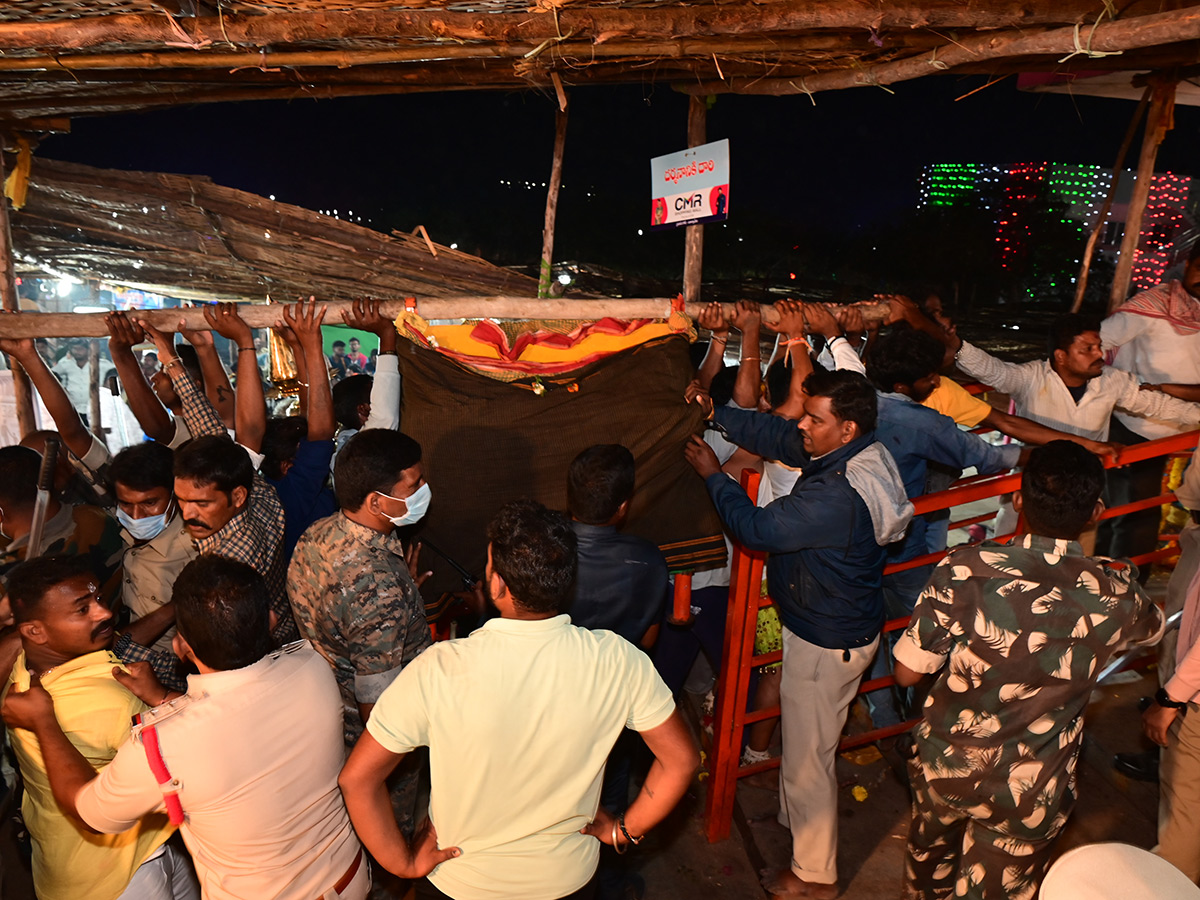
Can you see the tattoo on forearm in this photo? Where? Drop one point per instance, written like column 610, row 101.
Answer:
column 222, row 391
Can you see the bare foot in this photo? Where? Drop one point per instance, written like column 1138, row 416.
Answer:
column 785, row 883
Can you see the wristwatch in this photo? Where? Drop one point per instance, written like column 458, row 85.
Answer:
column 1163, row 699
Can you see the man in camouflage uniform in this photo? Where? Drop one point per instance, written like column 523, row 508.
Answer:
column 350, row 587
column 1019, row 635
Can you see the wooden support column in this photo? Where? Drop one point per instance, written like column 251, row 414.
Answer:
column 1088, row 251
column 22, row 389
column 545, row 274
column 1158, row 122
column 94, row 423
column 693, row 252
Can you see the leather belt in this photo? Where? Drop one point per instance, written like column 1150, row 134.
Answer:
column 344, row 881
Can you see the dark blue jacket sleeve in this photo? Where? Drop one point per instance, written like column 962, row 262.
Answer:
column 773, row 437
column 811, row 520
column 946, row 443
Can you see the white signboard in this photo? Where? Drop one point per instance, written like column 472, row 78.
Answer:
column 690, row 187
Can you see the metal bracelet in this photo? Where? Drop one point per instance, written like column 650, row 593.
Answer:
column 629, row 837
column 616, row 846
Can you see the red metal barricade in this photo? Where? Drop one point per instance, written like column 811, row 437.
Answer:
column 730, row 716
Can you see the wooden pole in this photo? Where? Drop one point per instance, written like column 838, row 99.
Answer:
column 22, row 389
column 446, row 26
column 264, row 315
column 1123, row 34
column 94, row 421
column 693, row 248
column 1158, row 122
column 545, row 273
column 1094, row 237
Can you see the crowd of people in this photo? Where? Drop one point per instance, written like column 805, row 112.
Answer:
column 221, row 681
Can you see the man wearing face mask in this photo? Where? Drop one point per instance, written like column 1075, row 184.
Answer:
column 350, row 585
column 158, row 544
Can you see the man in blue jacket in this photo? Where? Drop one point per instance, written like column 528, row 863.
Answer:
column 826, row 540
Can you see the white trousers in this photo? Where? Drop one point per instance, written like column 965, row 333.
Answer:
column 817, row 689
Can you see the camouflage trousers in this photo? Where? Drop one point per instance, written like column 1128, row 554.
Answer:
column 963, row 849
column 404, row 785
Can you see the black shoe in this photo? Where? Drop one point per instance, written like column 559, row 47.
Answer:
column 1139, row 766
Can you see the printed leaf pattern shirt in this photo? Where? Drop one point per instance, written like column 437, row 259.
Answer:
column 1020, row 634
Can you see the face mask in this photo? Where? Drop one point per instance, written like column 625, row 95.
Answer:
column 146, row 528
column 417, row 503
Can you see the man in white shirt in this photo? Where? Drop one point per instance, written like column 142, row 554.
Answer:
column 252, row 751
column 519, row 718
column 1155, row 335
column 76, row 376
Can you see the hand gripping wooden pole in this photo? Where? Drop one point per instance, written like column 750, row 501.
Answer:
column 265, row 315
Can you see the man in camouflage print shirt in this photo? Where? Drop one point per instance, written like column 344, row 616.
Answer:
column 350, row 587
column 1018, row 635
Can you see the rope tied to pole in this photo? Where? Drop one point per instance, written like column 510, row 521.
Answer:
column 935, row 62
column 803, row 88
column 1081, row 50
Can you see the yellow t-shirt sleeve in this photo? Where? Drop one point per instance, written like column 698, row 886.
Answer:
column 951, row 399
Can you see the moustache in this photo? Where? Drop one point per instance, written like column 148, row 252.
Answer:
column 102, row 626
column 195, row 523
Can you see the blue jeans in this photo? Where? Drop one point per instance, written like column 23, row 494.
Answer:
column 900, row 593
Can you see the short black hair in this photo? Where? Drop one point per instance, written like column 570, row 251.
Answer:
column 599, row 480
column 535, row 551
column 354, row 339
column 215, row 459
column 903, row 356
column 1059, row 489
column 851, row 396
column 223, row 611
column 281, row 443
column 143, row 467
column 348, row 395
column 372, row 460
column 337, row 344
column 720, row 389
column 186, row 354
column 1066, row 328
column 778, row 381
column 29, row 581
column 1193, row 252
column 19, row 468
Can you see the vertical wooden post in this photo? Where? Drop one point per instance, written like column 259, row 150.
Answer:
column 1086, row 264
column 560, row 140
column 693, row 251
column 22, row 389
column 1158, row 122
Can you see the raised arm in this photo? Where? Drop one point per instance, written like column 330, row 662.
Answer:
column 385, row 389
column 1011, row 378
column 145, row 406
column 250, row 409
column 819, row 320
column 216, row 379
column 198, row 413
column 305, row 323
column 791, row 326
column 747, row 387
column 712, row 317
column 74, row 435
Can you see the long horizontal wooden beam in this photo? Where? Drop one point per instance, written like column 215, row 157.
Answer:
column 1109, row 37
column 599, row 24
column 263, row 315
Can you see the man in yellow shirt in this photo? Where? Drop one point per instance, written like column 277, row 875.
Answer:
column 66, row 631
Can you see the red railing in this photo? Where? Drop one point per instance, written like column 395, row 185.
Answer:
column 730, row 716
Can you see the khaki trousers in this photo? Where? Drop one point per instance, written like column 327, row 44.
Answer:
column 818, row 685
column 1179, row 795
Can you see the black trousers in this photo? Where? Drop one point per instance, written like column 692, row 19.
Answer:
column 1137, row 532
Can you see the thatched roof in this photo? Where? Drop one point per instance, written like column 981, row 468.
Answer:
column 79, row 57
column 188, row 237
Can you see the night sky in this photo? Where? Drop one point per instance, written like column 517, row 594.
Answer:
column 849, row 162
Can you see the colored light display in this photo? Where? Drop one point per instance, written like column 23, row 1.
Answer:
column 1011, row 190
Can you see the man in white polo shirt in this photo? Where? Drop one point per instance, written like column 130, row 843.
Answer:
column 519, row 718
